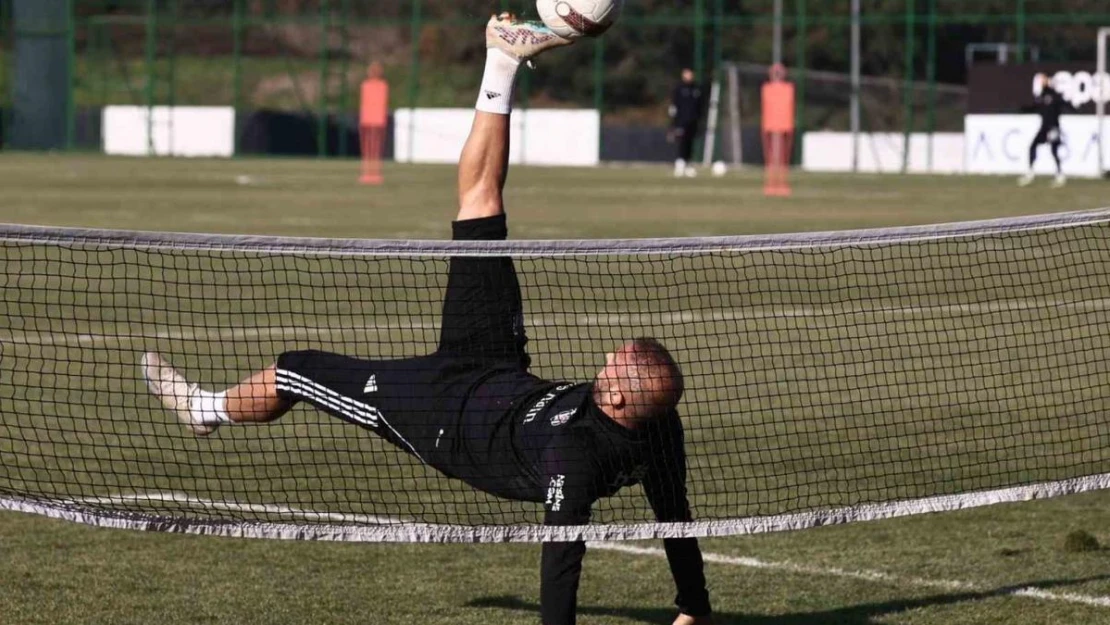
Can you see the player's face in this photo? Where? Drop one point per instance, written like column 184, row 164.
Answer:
column 603, row 382
column 606, row 377
column 613, row 372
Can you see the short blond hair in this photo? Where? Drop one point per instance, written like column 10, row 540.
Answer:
column 655, row 378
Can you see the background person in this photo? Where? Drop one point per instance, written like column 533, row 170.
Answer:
column 1050, row 105
column 687, row 103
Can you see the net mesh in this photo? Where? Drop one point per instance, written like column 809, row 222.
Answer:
column 830, row 377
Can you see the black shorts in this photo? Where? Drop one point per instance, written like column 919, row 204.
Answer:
column 1048, row 134
column 414, row 402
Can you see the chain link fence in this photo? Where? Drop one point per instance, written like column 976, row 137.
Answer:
column 307, row 57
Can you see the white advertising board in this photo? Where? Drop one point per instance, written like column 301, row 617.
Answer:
column 538, row 136
column 881, row 152
column 999, row 144
column 196, row 131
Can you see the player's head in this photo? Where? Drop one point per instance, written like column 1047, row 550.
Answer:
column 777, row 72
column 687, row 75
column 1040, row 81
column 640, row 381
column 375, row 70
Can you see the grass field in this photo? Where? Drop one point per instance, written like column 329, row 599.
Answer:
column 996, row 565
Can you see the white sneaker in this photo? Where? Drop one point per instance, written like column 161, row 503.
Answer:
column 521, row 40
column 171, row 388
column 1026, row 180
column 1059, row 181
column 691, row 172
column 679, row 168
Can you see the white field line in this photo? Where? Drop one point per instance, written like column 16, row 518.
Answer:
column 865, row 575
column 554, row 321
column 1030, row 592
column 1037, row 593
column 231, row 506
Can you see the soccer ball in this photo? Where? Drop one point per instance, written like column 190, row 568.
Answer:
column 572, row 19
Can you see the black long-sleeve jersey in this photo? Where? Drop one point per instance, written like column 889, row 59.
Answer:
column 474, row 412
column 509, row 433
column 1050, row 105
column 687, row 103
column 561, row 449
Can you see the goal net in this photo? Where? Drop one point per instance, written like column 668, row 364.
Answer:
column 830, row 377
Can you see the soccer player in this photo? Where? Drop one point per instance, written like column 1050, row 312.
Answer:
column 685, row 112
column 1049, row 104
column 472, row 410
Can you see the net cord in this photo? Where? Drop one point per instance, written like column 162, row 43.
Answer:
column 83, row 237
column 385, row 529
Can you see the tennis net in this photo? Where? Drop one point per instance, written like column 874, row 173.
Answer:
column 831, row 377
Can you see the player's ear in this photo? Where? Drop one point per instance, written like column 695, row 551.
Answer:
column 616, row 398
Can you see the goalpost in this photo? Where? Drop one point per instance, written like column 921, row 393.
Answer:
column 713, row 152
column 830, row 377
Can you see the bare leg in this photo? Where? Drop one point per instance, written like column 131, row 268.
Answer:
column 483, row 167
column 484, row 163
column 256, row 400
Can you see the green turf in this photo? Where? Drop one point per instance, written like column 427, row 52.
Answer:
column 66, row 573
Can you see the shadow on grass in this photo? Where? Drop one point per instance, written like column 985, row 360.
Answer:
column 861, row 614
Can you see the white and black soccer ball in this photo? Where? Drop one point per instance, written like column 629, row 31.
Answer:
column 572, row 19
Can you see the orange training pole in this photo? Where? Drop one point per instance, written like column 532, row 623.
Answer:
column 778, row 132
column 373, row 119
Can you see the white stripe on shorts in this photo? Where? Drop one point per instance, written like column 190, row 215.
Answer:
column 354, row 410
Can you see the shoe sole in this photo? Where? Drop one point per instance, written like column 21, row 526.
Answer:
column 151, row 365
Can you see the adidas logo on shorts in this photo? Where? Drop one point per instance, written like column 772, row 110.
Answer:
column 371, row 385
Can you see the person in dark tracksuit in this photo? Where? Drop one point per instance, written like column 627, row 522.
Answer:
column 1050, row 105
column 472, row 410
column 687, row 104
